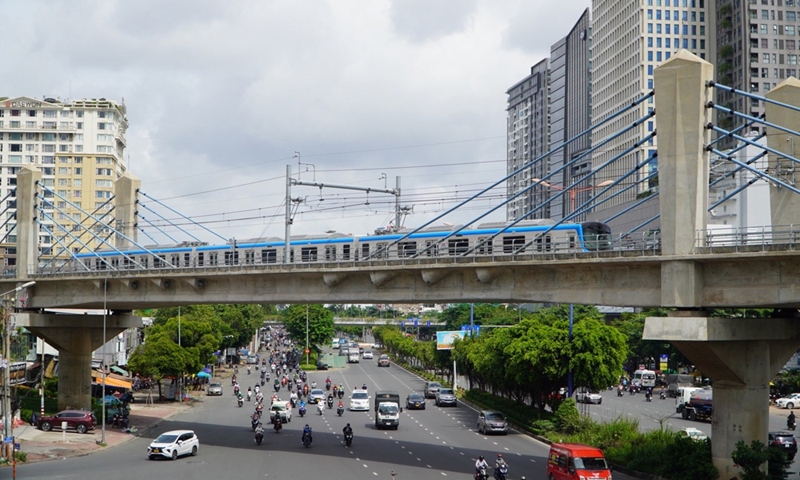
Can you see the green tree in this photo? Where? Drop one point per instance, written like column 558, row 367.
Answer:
column 161, row 357
column 320, row 323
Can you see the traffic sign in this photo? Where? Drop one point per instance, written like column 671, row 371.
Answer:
column 8, row 440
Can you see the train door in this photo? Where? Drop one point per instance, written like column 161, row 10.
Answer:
column 485, row 248
column 345, row 252
column 269, row 255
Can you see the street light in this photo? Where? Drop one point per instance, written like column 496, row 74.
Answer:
column 7, row 428
column 572, row 191
column 307, row 351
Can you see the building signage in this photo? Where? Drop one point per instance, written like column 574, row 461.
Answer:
column 23, row 104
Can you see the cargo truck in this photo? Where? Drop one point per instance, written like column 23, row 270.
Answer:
column 699, row 406
column 387, row 409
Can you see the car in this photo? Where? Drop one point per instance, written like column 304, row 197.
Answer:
column 587, row 396
column 174, row 444
column 786, row 441
column 316, row 395
column 360, row 349
column 446, row 396
column 490, row 421
column 694, row 433
column 383, row 360
column 359, row 401
column 252, row 359
column 789, row 401
column 415, row 401
column 344, row 351
column 431, row 388
column 367, row 355
column 215, row 389
column 79, row 420
column 322, row 365
column 281, row 409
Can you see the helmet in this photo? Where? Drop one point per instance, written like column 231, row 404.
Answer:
column 348, row 424
column 499, row 455
column 306, row 426
column 480, row 458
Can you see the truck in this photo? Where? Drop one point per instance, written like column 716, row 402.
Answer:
column 387, row 409
column 675, row 381
column 699, row 406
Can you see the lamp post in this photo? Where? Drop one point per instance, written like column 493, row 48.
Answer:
column 307, row 351
column 572, row 191
column 7, row 428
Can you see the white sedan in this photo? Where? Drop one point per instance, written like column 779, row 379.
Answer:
column 367, row 355
column 588, row 397
column 174, row 444
column 359, row 401
column 789, row 401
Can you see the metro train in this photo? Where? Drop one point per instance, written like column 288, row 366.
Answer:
column 339, row 247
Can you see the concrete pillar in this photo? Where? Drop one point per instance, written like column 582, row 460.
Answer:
column 740, row 356
column 27, row 230
column 75, row 337
column 681, row 96
column 126, row 196
column 784, row 204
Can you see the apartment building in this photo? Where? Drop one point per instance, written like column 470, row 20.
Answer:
column 630, row 38
column 79, row 145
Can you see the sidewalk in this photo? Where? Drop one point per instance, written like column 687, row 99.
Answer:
column 42, row 446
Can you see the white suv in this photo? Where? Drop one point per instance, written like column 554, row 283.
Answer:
column 367, row 355
column 359, row 401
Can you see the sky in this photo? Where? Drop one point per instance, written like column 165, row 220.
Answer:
column 222, row 95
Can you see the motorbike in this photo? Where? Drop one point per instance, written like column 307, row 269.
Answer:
column 239, row 401
column 306, row 440
column 259, row 438
column 249, row 394
column 254, row 423
column 262, row 382
column 327, row 385
column 302, row 411
column 341, row 393
column 662, row 396
column 619, row 393
column 482, row 474
column 320, row 408
column 339, row 411
column 348, row 439
column 501, row 472
column 791, row 424
column 277, row 387
column 248, row 370
column 294, row 402
column 278, row 425
column 330, row 403
column 236, row 390
column 648, row 397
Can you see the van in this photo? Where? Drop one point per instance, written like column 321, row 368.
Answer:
column 573, row 461
column 644, row 379
column 353, row 356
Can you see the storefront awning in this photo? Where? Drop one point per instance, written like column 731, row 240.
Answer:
column 121, row 371
column 97, row 377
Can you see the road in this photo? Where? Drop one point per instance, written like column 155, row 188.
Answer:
column 434, row 443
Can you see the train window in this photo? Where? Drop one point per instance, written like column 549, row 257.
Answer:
column 457, row 246
column 212, row 259
column 572, row 242
column 406, row 249
column 364, row 251
column 249, row 257
column 486, row 248
column 512, row 243
column 159, row 262
column 99, row 264
column 381, row 250
column 345, row 252
column 330, row 253
column 144, row 261
column 269, row 255
column 187, row 259
column 126, row 262
column 175, row 259
column 308, row 254
column 115, row 263
column 432, row 251
column 200, row 258
column 232, row 258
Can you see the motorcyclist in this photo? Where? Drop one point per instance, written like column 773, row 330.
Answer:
column 236, row 389
column 320, row 408
column 248, row 369
column 498, row 463
column 293, row 398
column 341, row 391
column 313, row 384
column 307, row 431
column 249, row 393
column 330, row 401
column 479, row 464
column 364, row 387
column 790, row 420
column 347, row 430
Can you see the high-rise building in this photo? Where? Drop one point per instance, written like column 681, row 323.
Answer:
column 757, row 49
column 545, row 109
column 79, row 145
column 527, row 136
column 630, row 38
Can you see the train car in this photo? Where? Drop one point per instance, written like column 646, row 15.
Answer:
column 526, row 237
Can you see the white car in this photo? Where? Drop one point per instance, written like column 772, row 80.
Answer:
column 359, row 401
column 367, row 355
column 693, row 433
column 174, row 444
column 282, row 409
column 789, row 401
column 588, row 397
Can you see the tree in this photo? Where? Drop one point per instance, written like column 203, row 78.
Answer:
column 320, row 323
column 160, row 357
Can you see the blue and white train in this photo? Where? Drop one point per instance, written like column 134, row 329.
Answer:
column 338, row 247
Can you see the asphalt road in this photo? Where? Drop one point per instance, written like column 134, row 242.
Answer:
column 430, row 444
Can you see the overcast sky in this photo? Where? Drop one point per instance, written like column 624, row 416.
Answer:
column 220, row 94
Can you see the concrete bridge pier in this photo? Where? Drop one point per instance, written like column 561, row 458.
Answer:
column 740, row 356
column 75, row 337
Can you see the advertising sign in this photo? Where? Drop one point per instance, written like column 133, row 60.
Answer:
column 664, row 358
column 445, row 340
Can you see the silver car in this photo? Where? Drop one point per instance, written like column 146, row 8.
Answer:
column 316, row 396
column 492, row 422
column 446, row 396
column 215, row 389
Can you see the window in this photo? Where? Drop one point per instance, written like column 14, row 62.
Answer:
column 790, row 16
column 15, row 147
column 49, row 114
column 79, row 125
column 64, row 170
column 79, row 148
column 101, row 126
column 78, row 170
column 103, row 171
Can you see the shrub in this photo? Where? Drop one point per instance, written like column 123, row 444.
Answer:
column 543, row 426
column 568, row 419
column 750, row 458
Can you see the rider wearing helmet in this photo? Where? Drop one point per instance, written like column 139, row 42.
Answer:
column 306, row 431
column 500, row 461
column 480, row 463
